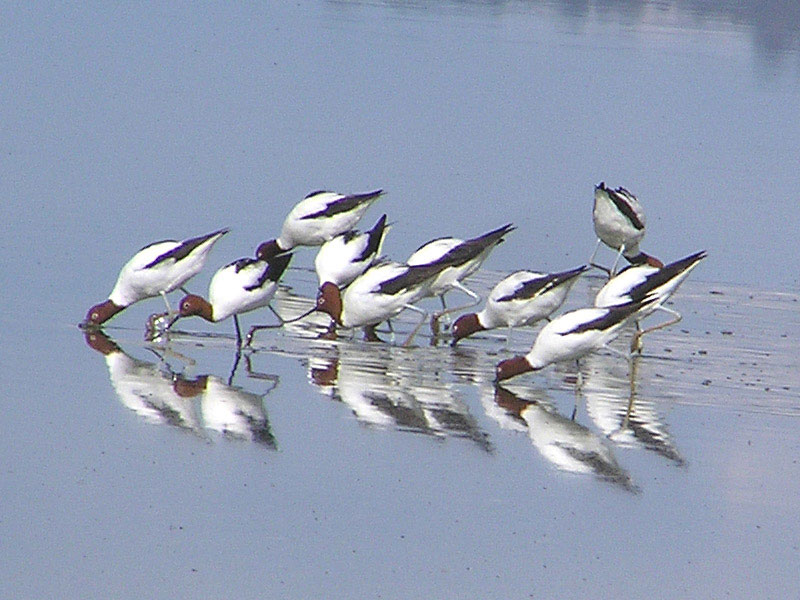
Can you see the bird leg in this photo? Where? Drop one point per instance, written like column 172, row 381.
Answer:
column 238, row 332
column 235, row 366
column 594, row 264
column 254, row 328
column 509, row 335
column 166, row 301
column 636, row 342
column 370, row 335
column 613, row 269
column 416, row 329
column 446, row 311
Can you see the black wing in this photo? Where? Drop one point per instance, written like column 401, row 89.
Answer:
column 273, row 271
column 183, row 249
column 413, row 276
column 663, row 275
column 374, row 237
column 344, row 204
column 534, row 287
column 470, row 249
column 611, row 318
column 622, row 204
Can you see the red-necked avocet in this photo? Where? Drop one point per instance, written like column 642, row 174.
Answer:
column 380, row 293
column 460, row 259
column 243, row 285
column 568, row 337
column 343, row 258
column 156, row 269
column 522, row 298
column 644, row 282
column 317, row 218
column 619, row 223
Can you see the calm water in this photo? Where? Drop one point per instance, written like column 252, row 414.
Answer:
column 308, row 468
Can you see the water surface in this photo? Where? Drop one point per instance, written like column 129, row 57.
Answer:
column 335, row 469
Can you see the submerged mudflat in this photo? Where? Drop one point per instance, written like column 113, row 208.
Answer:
column 363, row 462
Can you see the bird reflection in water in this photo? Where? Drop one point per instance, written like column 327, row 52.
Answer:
column 199, row 404
column 393, row 388
column 562, row 441
column 613, row 404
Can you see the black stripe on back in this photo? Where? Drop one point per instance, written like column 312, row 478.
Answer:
column 374, row 236
column 611, row 318
column 622, row 204
column 275, row 268
column 534, row 287
column 663, row 275
column 529, row 289
column 343, row 205
column 470, row 249
column 412, row 277
column 183, row 249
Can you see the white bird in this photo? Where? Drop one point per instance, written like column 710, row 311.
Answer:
column 382, row 292
column 316, row 219
column 243, row 285
column 644, row 282
column 619, row 223
column 569, row 337
column 156, row 269
column 343, row 258
column 460, row 258
column 522, row 298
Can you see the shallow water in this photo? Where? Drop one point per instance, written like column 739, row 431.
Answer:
column 308, row 468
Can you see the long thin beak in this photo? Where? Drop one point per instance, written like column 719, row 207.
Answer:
column 303, row 316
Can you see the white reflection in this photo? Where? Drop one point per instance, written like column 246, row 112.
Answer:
column 234, row 412
column 395, row 388
column 568, row 445
column 614, row 406
column 159, row 395
column 146, row 388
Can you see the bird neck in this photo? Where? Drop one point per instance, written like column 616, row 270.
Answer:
column 268, row 249
column 329, row 301
column 466, row 325
column 644, row 259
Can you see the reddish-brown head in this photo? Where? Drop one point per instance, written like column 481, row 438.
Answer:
column 97, row 340
column 329, row 300
column 326, row 376
column 195, row 305
column 100, row 313
column 465, row 326
column 267, row 250
column 509, row 401
column 654, row 262
column 511, row 368
column 189, row 388
column 645, row 259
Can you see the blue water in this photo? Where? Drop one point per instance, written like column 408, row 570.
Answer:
column 356, row 470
